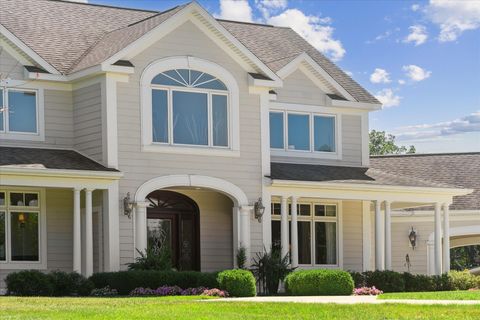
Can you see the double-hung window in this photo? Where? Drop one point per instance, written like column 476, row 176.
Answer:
column 303, row 132
column 19, row 114
column 317, row 225
column 190, row 108
column 20, row 227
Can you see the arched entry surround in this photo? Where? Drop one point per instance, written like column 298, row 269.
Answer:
column 241, row 210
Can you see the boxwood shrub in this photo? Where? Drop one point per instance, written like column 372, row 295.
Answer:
column 387, row 281
column 126, row 281
column 238, row 283
column 319, row 283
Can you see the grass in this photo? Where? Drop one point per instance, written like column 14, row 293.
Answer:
column 438, row 295
column 191, row 308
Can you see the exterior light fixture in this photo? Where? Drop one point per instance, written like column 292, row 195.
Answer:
column 412, row 237
column 21, row 220
column 259, row 209
column 128, row 206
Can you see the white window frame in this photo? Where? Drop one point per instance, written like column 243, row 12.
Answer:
column 233, row 113
column 312, row 219
column 285, row 152
column 39, row 135
column 41, row 264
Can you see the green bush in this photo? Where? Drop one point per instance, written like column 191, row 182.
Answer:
column 69, row 284
column 419, row 282
column 126, row 281
column 269, row 268
column 238, row 283
column 358, row 279
column 319, row 283
column 387, row 281
column 462, row 280
column 151, row 259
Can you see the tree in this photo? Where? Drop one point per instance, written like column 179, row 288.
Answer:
column 382, row 143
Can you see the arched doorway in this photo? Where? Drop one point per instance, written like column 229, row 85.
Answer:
column 173, row 221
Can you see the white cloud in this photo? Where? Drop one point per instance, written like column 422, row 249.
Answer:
column 416, row 73
column 418, row 35
column 388, row 98
column 313, row 29
column 238, row 10
column 469, row 123
column 349, row 73
column 401, row 82
column 415, row 7
column 380, row 76
column 453, row 17
column 269, row 7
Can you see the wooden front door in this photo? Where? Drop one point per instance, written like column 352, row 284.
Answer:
column 173, row 221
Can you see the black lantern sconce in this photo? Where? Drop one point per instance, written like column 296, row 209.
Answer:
column 412, row 237
column 259, row 209
column 128, row 206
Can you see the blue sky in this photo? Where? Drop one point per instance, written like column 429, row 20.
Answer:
column 421, row 58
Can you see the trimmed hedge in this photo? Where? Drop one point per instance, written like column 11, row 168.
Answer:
column 56, row 283
column 126, row 281
column 237, row 282
column 387, row 281
column 319, row 283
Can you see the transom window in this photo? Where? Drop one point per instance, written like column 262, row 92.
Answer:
column 18, row 111
column 19, row 226
column 317, row 232
column 306, row 132
column 189, row 107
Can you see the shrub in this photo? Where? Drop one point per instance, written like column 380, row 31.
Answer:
column 387, row 281
column 358, row 279
column 238, row 283
column 125, row 281
column 367, row 291
column 319, row 282
column 28, row 283
column 419, row 282
column 270, row 268
column 69, row 284
column 241, row 257
column 462, row 280
column 104, row 292
column 152, row 259
column 442, row 282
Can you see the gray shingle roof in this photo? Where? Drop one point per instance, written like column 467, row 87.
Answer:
column 459, row 169
column 74, row 36
column 342, row 174
column 48, row 159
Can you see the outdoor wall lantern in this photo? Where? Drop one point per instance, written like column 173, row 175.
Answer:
column 128, row 206
column 412, row 237
column 259, row 209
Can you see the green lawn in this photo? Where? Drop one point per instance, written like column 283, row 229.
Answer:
column 189, row 308
column 438, row 295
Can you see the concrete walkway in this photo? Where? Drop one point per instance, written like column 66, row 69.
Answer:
column 343, row 300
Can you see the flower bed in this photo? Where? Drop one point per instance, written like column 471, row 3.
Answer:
column 177, row 291
column 367, row 291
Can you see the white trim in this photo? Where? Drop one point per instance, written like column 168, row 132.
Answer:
column 187, row 62
column 109, row 121
column 95, row 70
column 21, row 57
column 365, row 140
column 366, row 236
column 229, row 189
column 314, row 108
column 353, row 104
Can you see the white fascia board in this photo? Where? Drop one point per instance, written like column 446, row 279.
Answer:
column 73, row 174
column 32, row 54
column 99, row 69
column 264, row 83
column 354, row 104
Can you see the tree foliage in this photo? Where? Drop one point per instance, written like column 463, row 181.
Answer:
column 382, row 143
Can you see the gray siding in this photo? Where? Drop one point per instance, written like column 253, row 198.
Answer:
column 87, row 114
column 298, row 88
column 10, row 66
column 352, row 235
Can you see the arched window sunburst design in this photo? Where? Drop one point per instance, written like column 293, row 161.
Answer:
column 189, row 78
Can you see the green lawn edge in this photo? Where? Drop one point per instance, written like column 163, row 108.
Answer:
column 435, row 295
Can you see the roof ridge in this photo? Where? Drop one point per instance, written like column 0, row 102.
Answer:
column 103, row 5
column 425, row 154
column 248, row 23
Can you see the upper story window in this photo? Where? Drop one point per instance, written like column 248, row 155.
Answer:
column 18, row 111
column 305, row 132
column 189, row 107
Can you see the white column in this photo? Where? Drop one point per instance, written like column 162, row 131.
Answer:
column 294, row 233
column 88, row 233
column 446, row 238
column 284, row 226
column 77, row 233
column 111, row 228
column 245, row 212
column 378, row 236
column 438, row 240
column 140, row 227
column 388, row 236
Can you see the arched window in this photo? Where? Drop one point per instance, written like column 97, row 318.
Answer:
column 189, row 107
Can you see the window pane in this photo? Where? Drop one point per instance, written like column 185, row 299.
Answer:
column 304, row 243
column 276, row 234
column 190, row 118
column 276, row 208
column 331, row 211
column 2, row 198
column 162, row 79
column 325, row 243
column 2, row 108
column 16, row 199
column 22, row 111
column 3, row 253
column 319, row 210
column 298, row 132
column 324, row 133
column 160, row 115
column 220, row 120
column 24, row 236
column 276, row 130
column 159, row 234
column 215, row 85
column 304, row 209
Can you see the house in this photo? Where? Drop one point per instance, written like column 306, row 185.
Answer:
column 123, row 128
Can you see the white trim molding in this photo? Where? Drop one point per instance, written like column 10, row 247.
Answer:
column 188, row 62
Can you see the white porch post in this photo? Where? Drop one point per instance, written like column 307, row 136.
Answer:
column 88, row 233
column 446, row 238
column 284, row 226
column 388, row 236
column 438, row 240
column 140, row 227
column 378, row 236
column 245, row 231
column 77, row 232
column 294, row 233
